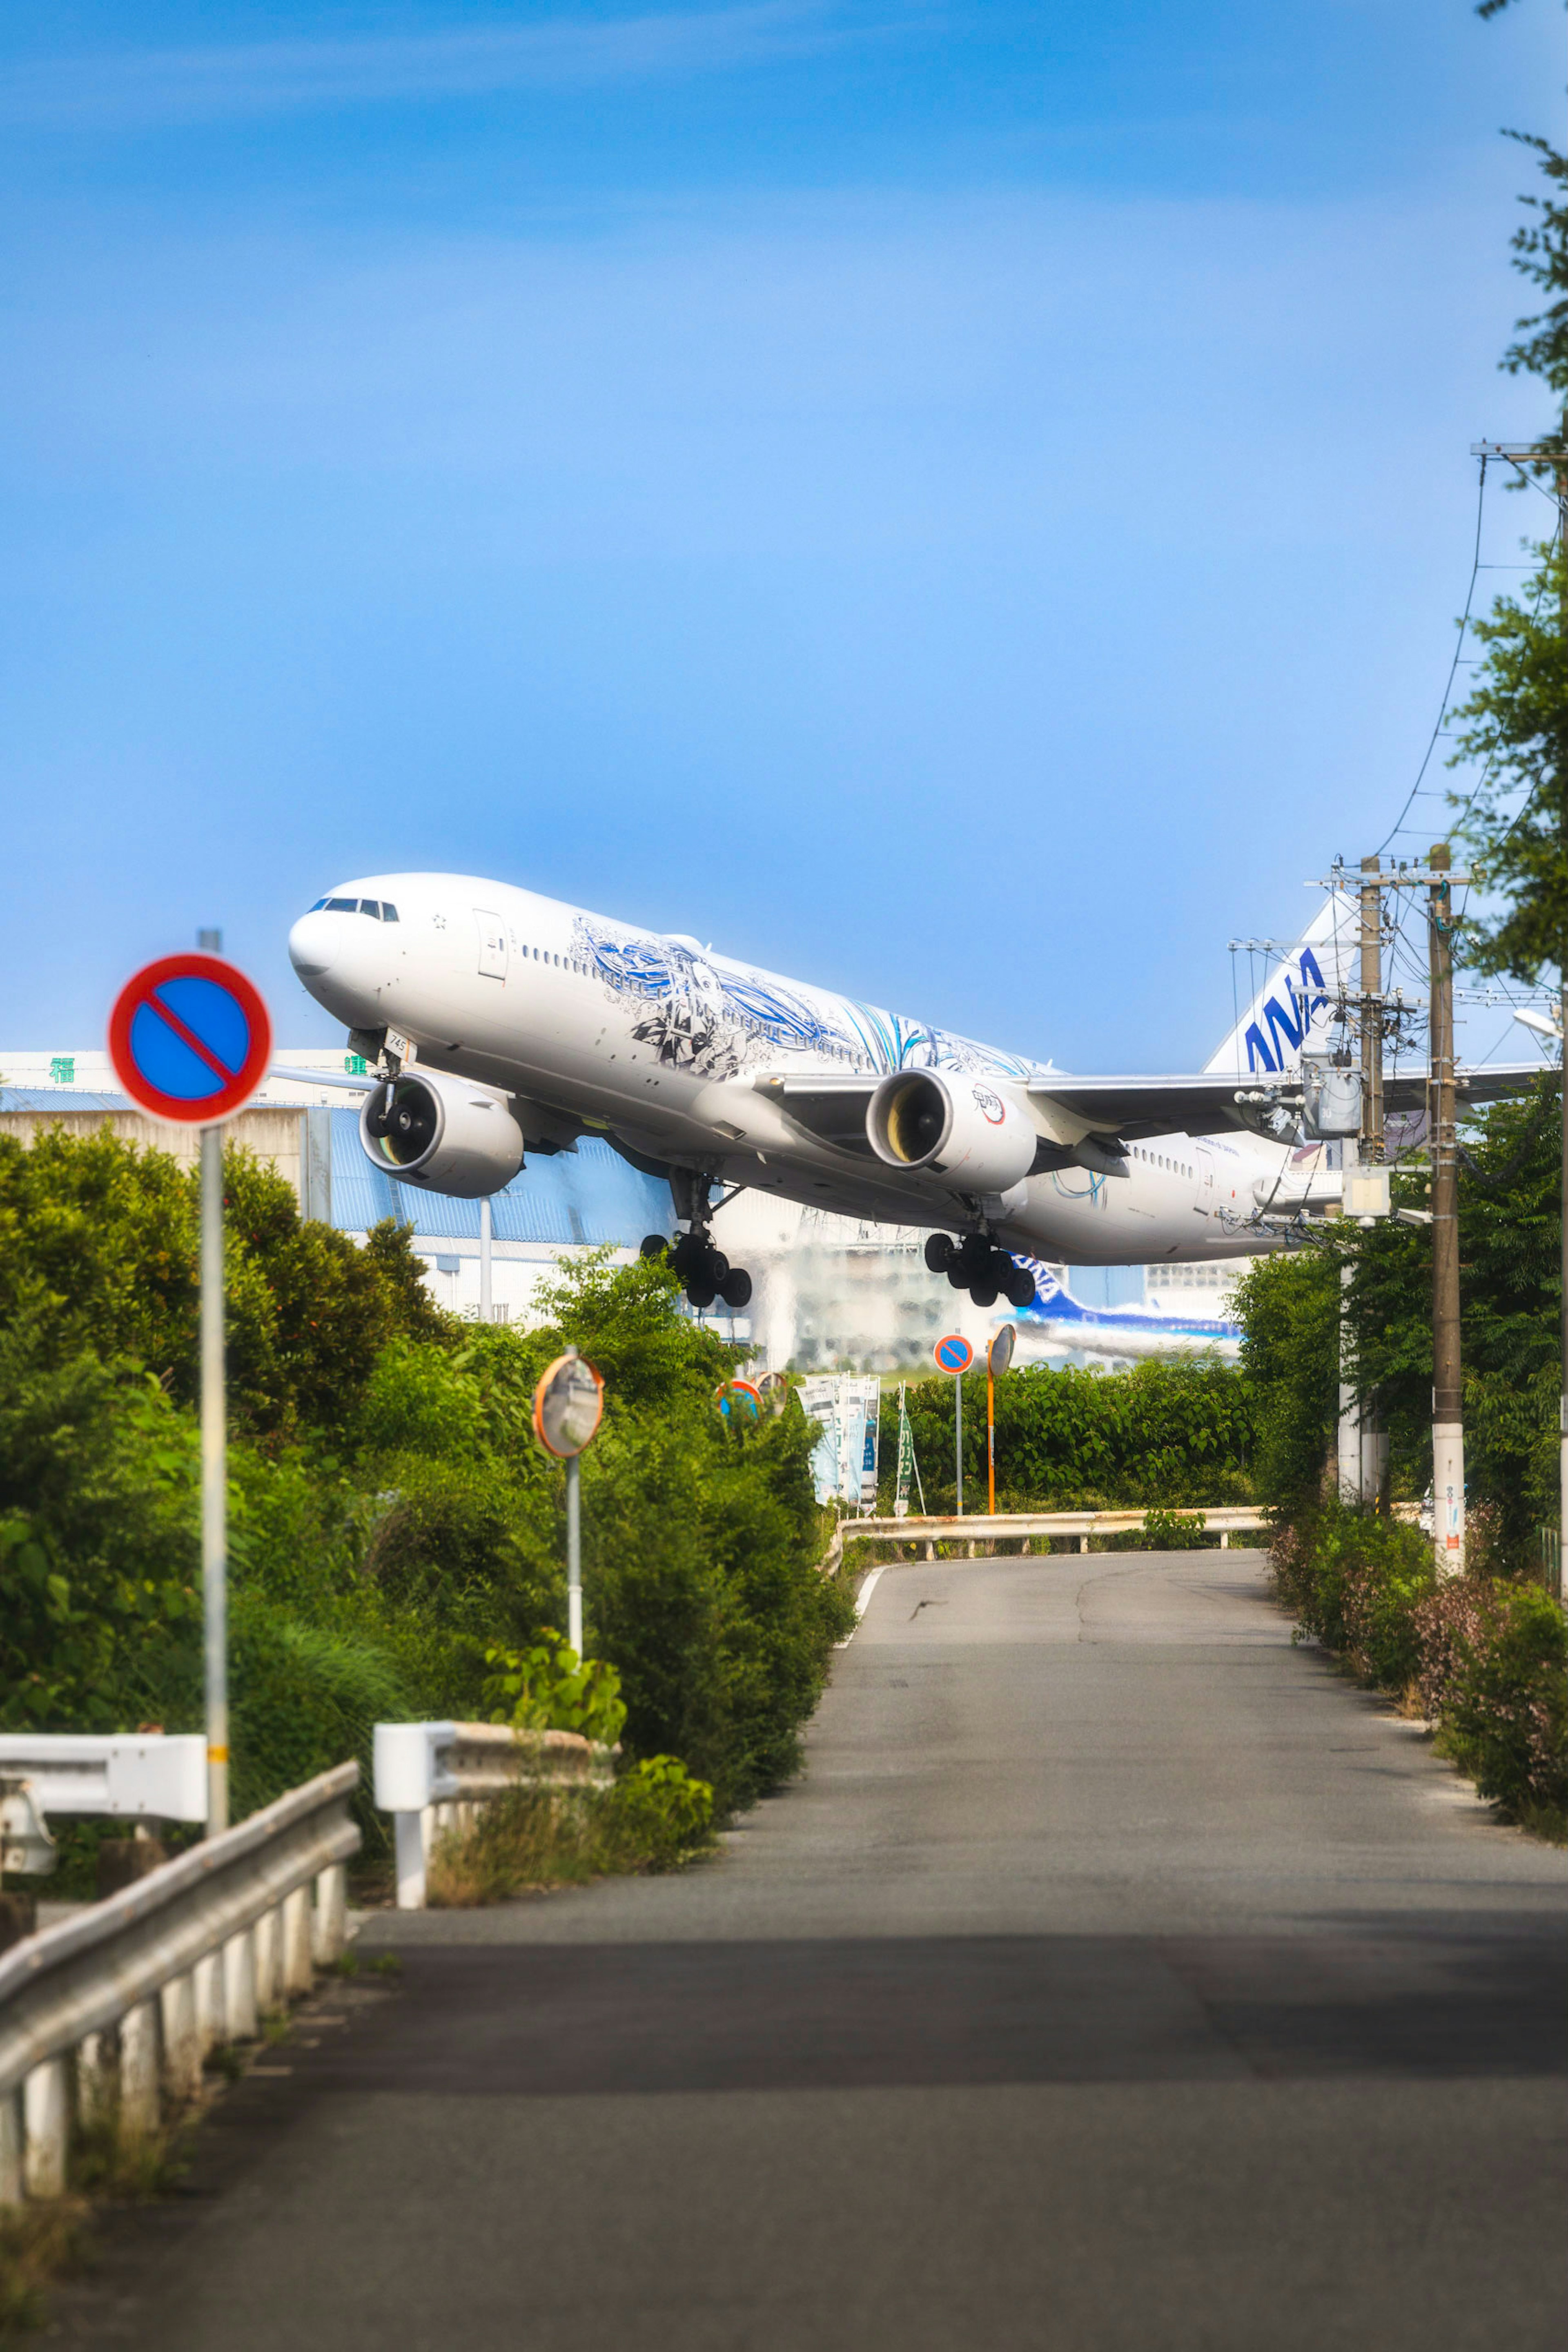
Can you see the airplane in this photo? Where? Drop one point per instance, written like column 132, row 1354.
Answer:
column 496, row 1021
column 1055, row 1318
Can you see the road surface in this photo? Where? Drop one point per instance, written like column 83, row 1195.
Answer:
column 1117, row 1976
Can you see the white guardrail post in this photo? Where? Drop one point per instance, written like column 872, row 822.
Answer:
column 127, row 1998
column 430, row 1777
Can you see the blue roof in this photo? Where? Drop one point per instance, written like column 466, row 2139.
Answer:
column 59, row 1098
column 589, row 1195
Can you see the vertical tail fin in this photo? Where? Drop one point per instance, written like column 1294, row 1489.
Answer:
column 1291, row 1011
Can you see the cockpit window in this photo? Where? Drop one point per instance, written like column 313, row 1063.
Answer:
column 342, row 906
column 372, row 906
column 389, row 912
column 318, row 907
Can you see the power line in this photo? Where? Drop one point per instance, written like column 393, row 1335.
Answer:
column 1453, row 668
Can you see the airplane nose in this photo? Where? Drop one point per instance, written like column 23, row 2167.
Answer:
column 314, row 944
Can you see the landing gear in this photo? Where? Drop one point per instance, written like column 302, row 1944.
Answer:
column 978, row 1265
column 704, row 1270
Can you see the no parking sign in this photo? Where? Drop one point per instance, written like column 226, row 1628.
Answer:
column 189, row 1039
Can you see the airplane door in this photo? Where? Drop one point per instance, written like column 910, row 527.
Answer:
column 1205, row 1161
column 492, row 945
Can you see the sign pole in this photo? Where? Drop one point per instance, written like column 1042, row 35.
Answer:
column 954, row 1355
column 959, row 1439
column 992, row 1436
column 214, row 1485
column 573, row 1557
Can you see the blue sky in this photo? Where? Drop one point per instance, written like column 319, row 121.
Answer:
column 965, row 502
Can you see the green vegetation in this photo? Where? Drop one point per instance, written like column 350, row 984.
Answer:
column 655, row 1817
column 1483, row 1656
column 397, row 1536
column 1175, row 1430
column 1510, row 1284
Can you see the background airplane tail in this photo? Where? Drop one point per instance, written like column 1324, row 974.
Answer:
column 1293, row 1009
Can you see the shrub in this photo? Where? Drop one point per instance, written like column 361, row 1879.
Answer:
column 1493, row 1659
column 656, row 1815
column 551, row 1688
column 653, row 1818
column 1354, row 1581
column 1173, row 1531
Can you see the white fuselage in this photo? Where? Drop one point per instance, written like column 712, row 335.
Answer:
column 658, row 1043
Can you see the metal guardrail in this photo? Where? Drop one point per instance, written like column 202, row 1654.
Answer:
column 1024, row 1525
column 138, row 1776
column 432, row 1776
column 124, row 2002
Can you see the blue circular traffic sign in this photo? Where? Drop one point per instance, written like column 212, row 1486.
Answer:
column 189, row 1039
column 953, row 1353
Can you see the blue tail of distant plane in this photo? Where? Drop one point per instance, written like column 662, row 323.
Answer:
column 1120, row 1330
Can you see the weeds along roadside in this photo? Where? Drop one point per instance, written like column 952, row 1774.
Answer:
column 1483, row 1657
column 656, row 1817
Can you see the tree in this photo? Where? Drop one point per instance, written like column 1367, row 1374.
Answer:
column 1515, row 724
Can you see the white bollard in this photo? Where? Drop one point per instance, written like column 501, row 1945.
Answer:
column 139, row 2068
column 268, row 1933
column 211, row 2017
column 1082, row 1543
column 11, row 2145
column 331, row 1912
column 408, row 1856
column 46, row 2113
column 181, row 2040
column 1225, row 1539
column 239, row 1986
column 95, row 2076
column 297, row 1941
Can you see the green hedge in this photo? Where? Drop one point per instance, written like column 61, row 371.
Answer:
column 1485, row 1657
column 1175, row 1432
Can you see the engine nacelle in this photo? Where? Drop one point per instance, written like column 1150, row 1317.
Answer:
column 448, row 1134
column 962, row 1129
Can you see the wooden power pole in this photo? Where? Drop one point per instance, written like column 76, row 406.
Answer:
column 1373, row 1438
column 1448, row 1404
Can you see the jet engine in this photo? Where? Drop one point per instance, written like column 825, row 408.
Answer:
column 445, row 1133
column 959, row 1128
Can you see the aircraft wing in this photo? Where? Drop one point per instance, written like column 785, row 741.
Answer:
column 831, row 1104
column 1208, row 1104
column 323, row 1078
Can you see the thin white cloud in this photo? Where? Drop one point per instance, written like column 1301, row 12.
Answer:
column 158, row 86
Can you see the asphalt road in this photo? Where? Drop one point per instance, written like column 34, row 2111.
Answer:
column 1116, row 1976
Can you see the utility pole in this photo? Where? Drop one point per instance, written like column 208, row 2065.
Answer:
column 1562, row 1025
column 1447, row 1424
column 1373, row 1437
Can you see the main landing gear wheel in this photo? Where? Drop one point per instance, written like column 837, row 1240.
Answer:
column 978, row 1266
column 705, row 1272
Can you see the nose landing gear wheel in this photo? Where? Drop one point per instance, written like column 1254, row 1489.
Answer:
column 736, row 1289
column 653, row 1246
